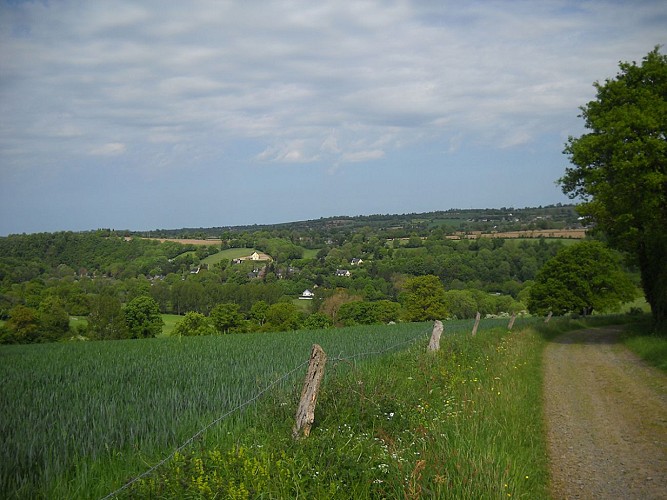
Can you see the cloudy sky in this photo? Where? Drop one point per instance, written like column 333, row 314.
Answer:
column 167, row 114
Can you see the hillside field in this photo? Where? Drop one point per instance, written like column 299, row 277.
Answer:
column 127, row 403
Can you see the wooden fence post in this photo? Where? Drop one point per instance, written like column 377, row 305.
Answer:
column 511, row 323
column 474, row 328
column 548, row 316
column 434, row 344
column 305, row 413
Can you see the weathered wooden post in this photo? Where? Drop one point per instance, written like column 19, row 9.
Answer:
column 434, row 343
column 305, row 413
column 474, row 328
column 548, row 316
column 511, row 323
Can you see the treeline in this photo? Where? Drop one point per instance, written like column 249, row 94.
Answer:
column 401, row 225
column 355, row 277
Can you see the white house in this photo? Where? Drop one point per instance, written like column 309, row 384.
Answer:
column 342, row 272
column 306, row 295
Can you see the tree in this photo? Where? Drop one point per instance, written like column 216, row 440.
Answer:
column 142, row 316
column 226, row 317
column 23, row 323
column 580, row 278
column 106, row 319
column 620, row 170
column 194, row 323
column 424, row 299
column 283, row 316
column 53, row 318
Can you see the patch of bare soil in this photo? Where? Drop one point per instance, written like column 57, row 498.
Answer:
column 606, row 419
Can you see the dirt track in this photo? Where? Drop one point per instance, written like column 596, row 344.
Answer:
column 606, row 418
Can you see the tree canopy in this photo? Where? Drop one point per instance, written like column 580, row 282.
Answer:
column 620, row 169
column 581, row 278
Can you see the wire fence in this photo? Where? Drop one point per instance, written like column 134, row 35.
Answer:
column 422, row 335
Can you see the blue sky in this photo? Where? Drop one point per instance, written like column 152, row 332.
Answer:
column 153, row 114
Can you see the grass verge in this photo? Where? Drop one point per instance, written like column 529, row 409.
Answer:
column 462, row 423
column 646, row 343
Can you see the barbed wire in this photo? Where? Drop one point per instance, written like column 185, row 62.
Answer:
column 204, row 429
column 250, row 401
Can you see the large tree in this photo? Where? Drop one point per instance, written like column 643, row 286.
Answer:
column 620, row 170
column 580, row 278
column 142, row 316
column 424, row 299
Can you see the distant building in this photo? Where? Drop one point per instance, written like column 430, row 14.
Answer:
column 306, row 295
column 356, row 262
column 342, row 272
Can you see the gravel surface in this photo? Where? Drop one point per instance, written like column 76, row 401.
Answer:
column 606, row 419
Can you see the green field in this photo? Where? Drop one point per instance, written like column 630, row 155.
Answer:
column 90, row 401
column 230, row 253
column 170, row 321
column 310, row 253
column 78, row 420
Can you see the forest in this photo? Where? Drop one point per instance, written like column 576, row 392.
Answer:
column 339, row 271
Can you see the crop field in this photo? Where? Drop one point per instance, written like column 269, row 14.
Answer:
column 71, row 403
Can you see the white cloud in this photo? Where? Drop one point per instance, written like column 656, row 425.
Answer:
column 332, row 81
column 109, row 149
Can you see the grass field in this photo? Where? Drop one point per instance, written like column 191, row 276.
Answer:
column 79, row 420
column 170, row 321
column 230, row 253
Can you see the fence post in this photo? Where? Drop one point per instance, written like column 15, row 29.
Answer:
column 434, row 344
column 305, row 413
column 548, row 316
column 511, row 323
column 474, row 328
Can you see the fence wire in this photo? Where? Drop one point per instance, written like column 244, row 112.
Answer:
column 252, row 400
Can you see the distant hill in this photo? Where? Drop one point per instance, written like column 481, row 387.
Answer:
column 479, row 219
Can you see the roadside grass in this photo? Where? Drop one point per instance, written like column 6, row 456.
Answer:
column 461, row 423
column 646, row 343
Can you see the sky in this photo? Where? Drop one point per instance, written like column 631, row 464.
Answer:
column 154, row 114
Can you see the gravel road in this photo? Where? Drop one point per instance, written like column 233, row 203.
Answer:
column 606, row 419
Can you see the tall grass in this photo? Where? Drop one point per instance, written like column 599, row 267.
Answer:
column 80, row 419
column 63, row 404
column 463, row 423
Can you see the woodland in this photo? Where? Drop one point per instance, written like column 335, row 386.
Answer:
column 358, row 270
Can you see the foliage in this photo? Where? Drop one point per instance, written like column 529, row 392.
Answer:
column 23, row 324
column 77, row 268
column 142, row 317
column 194, row 323
column 226, row 317
column 283, row 316
column 53, row 318
column 581, row 278
column 620, row 169
column 316, row 321
column 368, row 313
column 424, row 299
column 106, row 320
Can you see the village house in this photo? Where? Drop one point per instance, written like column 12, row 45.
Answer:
column 342, row 272
column 306, row 295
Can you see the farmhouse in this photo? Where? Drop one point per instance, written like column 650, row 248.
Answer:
column 306, row 295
